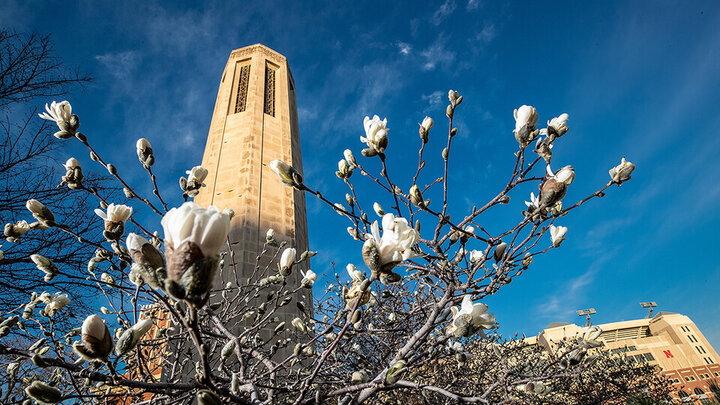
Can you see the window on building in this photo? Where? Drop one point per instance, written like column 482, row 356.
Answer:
column 699, row 391
column 692, row 378
column 269, row 91
column 649, row 357
column 698, row 349
column 242, row 89
column 683, row 394
column 703, row 350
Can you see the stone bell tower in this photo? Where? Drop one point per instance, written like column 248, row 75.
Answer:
column 255, row 121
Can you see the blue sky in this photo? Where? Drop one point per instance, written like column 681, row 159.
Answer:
column 639, row 79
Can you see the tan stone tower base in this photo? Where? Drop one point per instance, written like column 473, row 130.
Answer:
column 255, row 122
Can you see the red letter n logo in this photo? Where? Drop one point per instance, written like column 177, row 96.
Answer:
column 668, row 354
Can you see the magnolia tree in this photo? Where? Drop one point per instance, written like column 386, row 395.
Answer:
column 410, row 323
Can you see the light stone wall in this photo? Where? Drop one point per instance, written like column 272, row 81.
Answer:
column 239, row 148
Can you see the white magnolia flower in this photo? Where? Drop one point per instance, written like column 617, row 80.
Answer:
column 197, row 174
column 355, row 275
column 565, row 175
column 207, row 228
column 378, row 209
column 557, row 234
column 476, row 256
column 299, row 324
column 375, row 134
column 115, row 213
column 58, row 112
column 270, row 234
column 622, row 172
column 135, row 241
column 525, row 119
column 309, row 277
column 534, row 202
column 54, row 302
column 193, row 239
column 396, row 241
column 558, row 125
column 591, row 335
column 470, row 317
column 288, row 258
column 71, row 163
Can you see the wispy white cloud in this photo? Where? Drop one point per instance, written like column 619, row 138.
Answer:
column 120, row 65
column 437, row 54
column 445, row 10
column 434, row 100
column 473, row 5
column 404, row 48
column 487, row 34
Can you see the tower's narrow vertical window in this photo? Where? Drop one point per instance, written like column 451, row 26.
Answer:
column 269, row 91
column 242, row 89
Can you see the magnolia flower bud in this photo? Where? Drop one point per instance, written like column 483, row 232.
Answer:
column 355, row 275
column 395, row 372
column 149, row 262
column 554, row 188
column 299, row 325
column 557, row 126
column 416, row 197
column 130, row 338
column 622, row 172
column 194, row 182
column 270, row 235
column 13, row 231
column 73, row 174
column 378, row 209
column 425, row 129
column 525, row 119
column 375, row 136
column 193, row 239
column 557, row 234
column 43, row 393
column 359, row 377
column 206, row 397
column 544, row 149
column 40, row 212
column 45, row 265
column 455, row 98
column 106, row 278
column 145, row 152
column 114, row 219
column 349, row 158
column 499, row 251
column 288, row 175
column 96, row 340
column 61, row 114
column 287, row 260
column 344, row 169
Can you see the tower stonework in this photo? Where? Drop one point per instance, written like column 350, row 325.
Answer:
column 255, row 122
